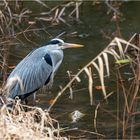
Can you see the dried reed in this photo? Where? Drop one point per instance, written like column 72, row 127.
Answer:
column 119, row 49
column 35, row 124
column 100, row 63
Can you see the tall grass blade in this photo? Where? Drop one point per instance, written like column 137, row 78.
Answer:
column 100, row 70
column 128, row 44
column 71, row 92
column 119, row 45
column 90, row 85
column 115, row 53
column 105, row 56
column 96, row 66
column 78, row 79
column 110, row 52
column 101, row 75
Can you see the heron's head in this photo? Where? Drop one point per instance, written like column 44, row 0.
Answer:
column 57, row 43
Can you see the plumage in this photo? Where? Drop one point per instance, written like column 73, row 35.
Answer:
column 36, row 69
column 48, row 59
column 30, row 67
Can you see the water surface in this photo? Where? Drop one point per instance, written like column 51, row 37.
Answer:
column 93, row 22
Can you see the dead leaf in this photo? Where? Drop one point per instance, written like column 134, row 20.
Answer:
column 51, row 101
column 100, row 87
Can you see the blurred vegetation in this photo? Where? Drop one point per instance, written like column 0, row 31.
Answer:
column 32, row 22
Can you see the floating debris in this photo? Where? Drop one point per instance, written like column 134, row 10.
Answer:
column 99, row 87
column 76, row 115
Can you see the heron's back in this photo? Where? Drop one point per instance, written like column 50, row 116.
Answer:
column 29, row 75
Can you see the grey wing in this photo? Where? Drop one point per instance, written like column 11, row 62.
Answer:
column 28, row 77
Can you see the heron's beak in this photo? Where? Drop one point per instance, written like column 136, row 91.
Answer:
column 70, row 45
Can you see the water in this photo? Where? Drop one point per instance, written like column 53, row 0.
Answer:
column 94, row 21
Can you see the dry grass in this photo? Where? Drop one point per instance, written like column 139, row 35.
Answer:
column 120, row 51
column 117, row 48
column 35, row 124
column 12, row 29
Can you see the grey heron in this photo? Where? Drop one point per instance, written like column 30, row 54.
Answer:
column 37, row 69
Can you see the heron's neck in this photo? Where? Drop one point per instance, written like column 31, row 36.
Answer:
column 57, row 57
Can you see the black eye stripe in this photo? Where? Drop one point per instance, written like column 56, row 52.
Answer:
column 53, row 42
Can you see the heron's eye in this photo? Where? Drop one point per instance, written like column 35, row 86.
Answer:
column 59, row 44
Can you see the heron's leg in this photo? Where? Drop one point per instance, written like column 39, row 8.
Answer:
column 34, row 98
column 26, row 101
